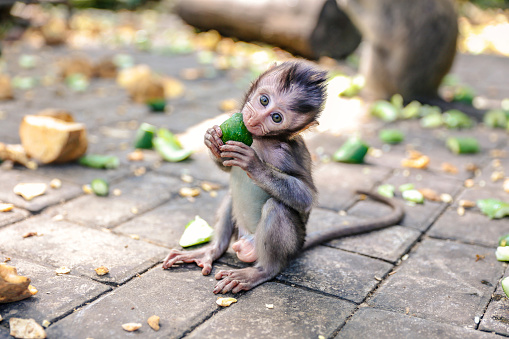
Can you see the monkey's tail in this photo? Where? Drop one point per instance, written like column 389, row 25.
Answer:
column 390, row 219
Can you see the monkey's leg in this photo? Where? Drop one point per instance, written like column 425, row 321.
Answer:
column 279, row 237
column 203, row 257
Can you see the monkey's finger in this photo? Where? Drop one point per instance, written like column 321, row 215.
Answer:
column 221, row 274
column 218, row 130
column 241, row 287
column 229, row 286
column 207, row 268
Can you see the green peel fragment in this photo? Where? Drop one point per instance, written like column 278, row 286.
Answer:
column 505, row 286
column 198, row 231
column 493, row 208
column 502, row 253
column 413, row 196
column 386, row 190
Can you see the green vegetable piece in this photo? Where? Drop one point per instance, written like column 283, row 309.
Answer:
column 77, row 82
column 432, row 120
column 169, row 152
column 24, row 82
column 384, row 110
column 413, row 196
column 234, row 129
column 493, row 208
column 412, row 110
column 397, row 101
column 157, row 105
column 462, row 145
column 169, row 137
column 505, row 286
column 27, row 61
column 457, row 119
column 100, row 187
column 386, row 190
column 503, row 240
column 197, row 232
column 99, row 161
column 144, row 136
column 352, row 151
column 502, row 253
column 496, row 118
column 464, row 94
column 391, row 136
column 406, row 187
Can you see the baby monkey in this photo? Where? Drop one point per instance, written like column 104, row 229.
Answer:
column 271, row 186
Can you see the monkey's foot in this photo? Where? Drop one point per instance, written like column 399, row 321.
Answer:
column 203, row 257
column 245, row 250
column 241, row 280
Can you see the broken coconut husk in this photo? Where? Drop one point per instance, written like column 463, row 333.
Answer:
column 14, row 287
column 51, row 140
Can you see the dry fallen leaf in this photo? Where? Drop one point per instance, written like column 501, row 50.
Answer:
column 137, row 155
column 130, row 327
column 449, row 168
column 29, row 190
column 29, row 234
column 430, row 194
column 506, row 185
column 153, row 322
column 102, row 270
column 225, row 301
column 189, row 192
column 6, row 207
column 62, row 270
column 14, row 287
column 26, row 328
column 55, row 183
column 416, row 160
column 209, row 186
column 466, row 203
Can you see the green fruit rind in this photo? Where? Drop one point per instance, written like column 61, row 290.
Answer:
column 386, row 190
column 99, row 161
column 144, row 136
column 100, row 187
column 198, row 231
column 352, row 151
column 505, row 286
column 234, row 129
column 168, row 151
column 391, row 136
column 502, row 253
column 462, row 145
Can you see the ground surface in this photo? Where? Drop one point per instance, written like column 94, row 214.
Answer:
column 433, row 275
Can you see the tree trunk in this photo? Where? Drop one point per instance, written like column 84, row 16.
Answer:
column 310, row 28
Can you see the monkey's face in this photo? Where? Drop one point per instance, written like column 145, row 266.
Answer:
column 267, row 111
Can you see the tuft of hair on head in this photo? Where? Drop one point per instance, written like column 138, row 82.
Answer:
column 306, row 84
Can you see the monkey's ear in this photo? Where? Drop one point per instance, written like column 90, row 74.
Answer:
column 312, row 124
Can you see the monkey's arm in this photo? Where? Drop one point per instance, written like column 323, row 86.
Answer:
column 289, row 189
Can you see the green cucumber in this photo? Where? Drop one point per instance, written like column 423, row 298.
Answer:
column 234, row 129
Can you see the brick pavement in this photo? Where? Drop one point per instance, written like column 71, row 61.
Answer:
column 434, row 275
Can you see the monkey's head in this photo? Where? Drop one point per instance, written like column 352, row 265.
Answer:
column 285, row 100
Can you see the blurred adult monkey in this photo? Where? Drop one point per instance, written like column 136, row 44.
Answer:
column 408, row 45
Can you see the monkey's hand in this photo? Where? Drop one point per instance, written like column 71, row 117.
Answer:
column 203, row 257
column 242, row 156
column 213, row 140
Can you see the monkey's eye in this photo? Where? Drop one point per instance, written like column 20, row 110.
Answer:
column 264, row 100
column 277, row 118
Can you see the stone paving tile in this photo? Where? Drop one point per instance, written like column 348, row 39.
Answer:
column 346, row 275
column 14, row 215
column 142, row 193
column 79, row 248
column 441, row 281
column 418, row 216
column 374, row 323
column 346, row 178
column 9, row 179
column 472, row 228
column 199, row 166
column 496, row 317
column 476, row 193
column 4, row 332
column 295, row 314
column 165, row 224
column 181, row 297
column 57, row 295
column 388, row 244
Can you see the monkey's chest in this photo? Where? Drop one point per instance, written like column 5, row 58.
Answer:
column 247, row 200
